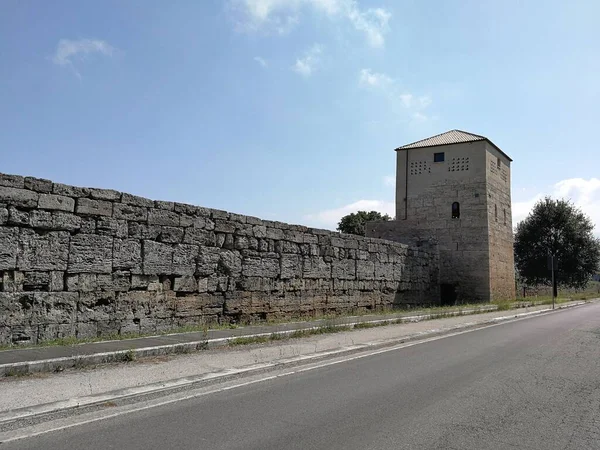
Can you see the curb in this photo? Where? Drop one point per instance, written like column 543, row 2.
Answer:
column 127, row 355
column 80, row 404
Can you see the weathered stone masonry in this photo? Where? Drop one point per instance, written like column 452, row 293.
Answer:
column 91, row 262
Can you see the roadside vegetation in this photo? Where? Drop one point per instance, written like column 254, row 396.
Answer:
column 328, row 323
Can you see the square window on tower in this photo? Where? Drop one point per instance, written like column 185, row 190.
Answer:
column 438, row 157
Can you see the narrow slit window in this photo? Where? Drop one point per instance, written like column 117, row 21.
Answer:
column 496, row 212
column 505, row 217
column 438, row 157
column 498, row 162
column 456, row 210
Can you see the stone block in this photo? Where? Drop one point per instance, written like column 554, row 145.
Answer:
column 43, row 251
column 134, row 200
column 199, row 237
column 244, row 229
column 70, row 191
column 230, row 263
column 120, row 281
column 259, row 231
column 108, row 226
column 185, row 257
column 224, row 226
column 157, row 258
column 191, row 210
column 41, row 220
column 66, row 221
column 315, row 267
column 163, row 217
column 274, row 233
column 88, row 225
column 17, row 217
column 38, row 184
column 16, row 308
column 171, row 235
column 286, row 247
column 105, row 194
column 291, row 266
column 185, row 283
column 143, row 281
column 208, row 261
column 218, row 214
column 365, row 270
column 56, row 202
column 293, row 236
column 344, row 269
column 3, row 215
column 161, row 204
column 36, row 281
column 127, row 255
column 18, row 197
column 130, row 212
column 14, row 181
column 12, row 281
column 92, row 207
column 56, row 281
column 90, row 253
column 384, row 271
column 260, row 267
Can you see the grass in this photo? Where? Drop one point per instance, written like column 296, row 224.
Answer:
column 247, row 340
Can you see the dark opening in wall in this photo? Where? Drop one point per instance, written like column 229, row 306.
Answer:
column 448, row 294
column 496, row 212
column 456, row 210
column 504, row 216
column 438, row 157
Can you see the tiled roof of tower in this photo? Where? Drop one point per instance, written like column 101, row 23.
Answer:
column 449, row 137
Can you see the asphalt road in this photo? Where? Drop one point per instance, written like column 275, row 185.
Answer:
column 529, row 384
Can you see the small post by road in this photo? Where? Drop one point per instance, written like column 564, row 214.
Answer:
column 552, row 262
column 553, row 265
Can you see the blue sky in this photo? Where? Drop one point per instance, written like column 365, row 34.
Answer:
column 290, row 109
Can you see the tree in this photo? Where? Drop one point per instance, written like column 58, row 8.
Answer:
column 556, row 227
column 355, row 223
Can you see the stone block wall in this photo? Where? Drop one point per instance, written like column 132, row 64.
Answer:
column 88, row 262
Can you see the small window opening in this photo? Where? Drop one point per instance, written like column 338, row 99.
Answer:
column 438, row 157
column 456, row 210
column 504, row 216
column 498, row 162
column 496, row 212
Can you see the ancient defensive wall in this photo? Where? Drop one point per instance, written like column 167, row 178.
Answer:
column 87, row 262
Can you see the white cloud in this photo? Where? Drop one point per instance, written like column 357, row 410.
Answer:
column 419, row 117
column 373, row 79
column 68, row 50
column 282, row 15
column 406, row 99
column 424, row 101
column 306, row 65
column 409, row 101
column 329, row 218
column 585, row 194
column 520, row 210
column 261, row 61
column 389, row 180
column 390, row 88
column 373, row 22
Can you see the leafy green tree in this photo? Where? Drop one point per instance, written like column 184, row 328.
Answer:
column 355, row 223
column 556, row 227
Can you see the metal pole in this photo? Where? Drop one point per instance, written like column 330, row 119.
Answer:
column 552, row 262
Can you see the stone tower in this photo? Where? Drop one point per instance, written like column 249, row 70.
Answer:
column 455, row 188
